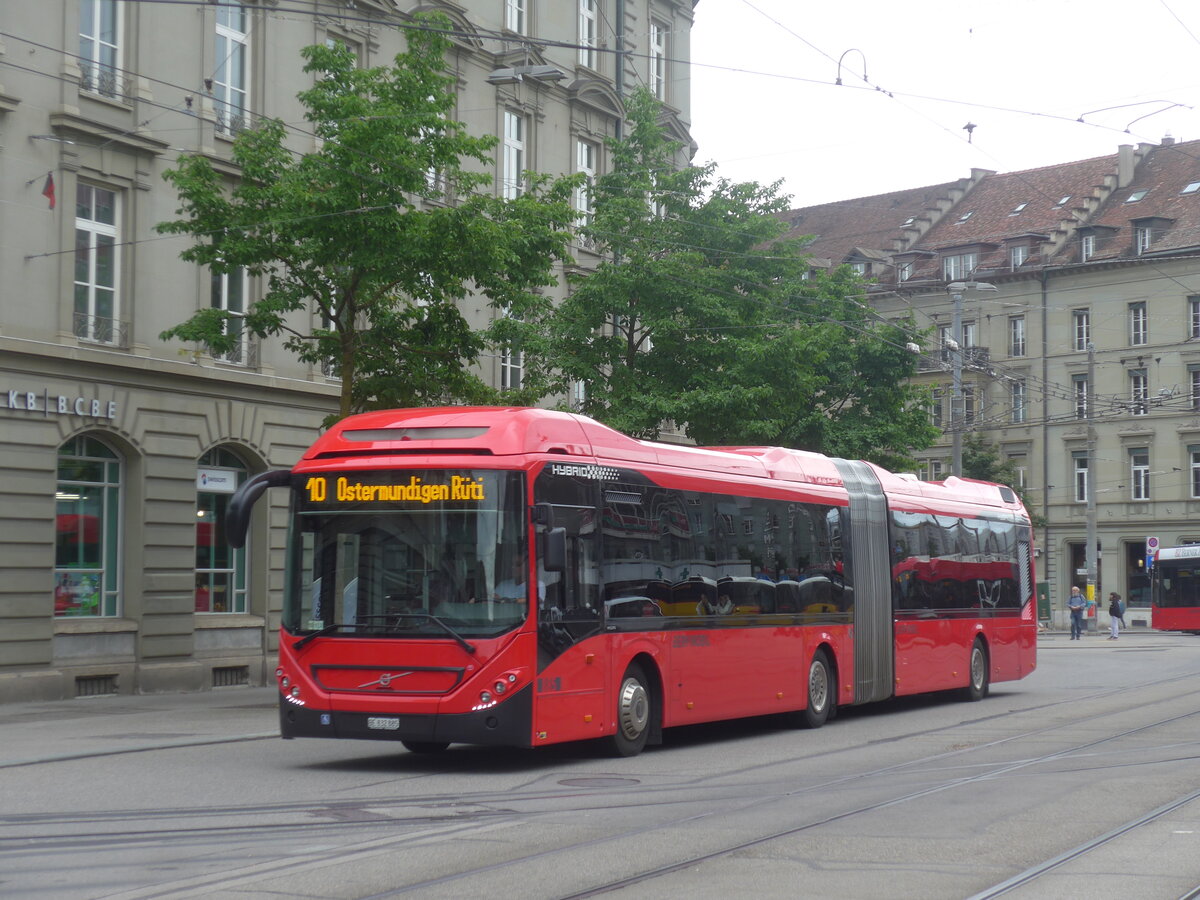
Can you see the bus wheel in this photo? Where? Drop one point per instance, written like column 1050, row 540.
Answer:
column 425, row 746
column 977, row 687
column 634, row 709
column 820, row 692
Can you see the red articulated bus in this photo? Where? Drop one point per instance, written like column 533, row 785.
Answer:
column 1175, row 589
column 525, row 577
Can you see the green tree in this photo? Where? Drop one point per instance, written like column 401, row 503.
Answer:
column 981, row 460
column 358, row 272
column 702, row 315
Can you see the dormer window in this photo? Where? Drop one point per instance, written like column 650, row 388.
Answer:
column 959, row 266
column 1143, row 238
column 904, row 270
column 859, row 268
column 1087, row 247
column 1016, row 210
column 1136, row 196
column 1017, row 255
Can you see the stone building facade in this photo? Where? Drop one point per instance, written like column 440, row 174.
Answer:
column 120, row 450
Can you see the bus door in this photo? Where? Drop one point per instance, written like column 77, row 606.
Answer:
column 570, row 700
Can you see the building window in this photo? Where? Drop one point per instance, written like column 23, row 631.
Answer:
column 959, row 266
column 859, row 269
column 220, row 569
column 231, row 72
column 658, row 60
column 1137, row 323
column 904, row 271
column 1081, row 476
column 512, row 366
column 513, row 185
column 970, row 335
column 1020, row 465
column 1194, row 376
column 229, row 293
column 968, row 398
column 1194, row 453
column 1139, row 474
column 587, row 33
column 1017, row 394
column 99, row 53
column 1143, row 238
column 936, row 407
column 1081, row 328
column 578, row 395
column 586, row 153
column 935, row 470
column 1139, row 392
column 1016, row 336
column 1017, row 256
column 87, row 522
column 1080, row 385
column 1087, row 247
column 96, row 264
column 514, row 15
column 1194, row 317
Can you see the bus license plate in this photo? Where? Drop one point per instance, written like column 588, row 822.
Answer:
column 383, row 723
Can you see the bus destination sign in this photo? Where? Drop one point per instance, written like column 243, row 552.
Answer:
column 460, row 488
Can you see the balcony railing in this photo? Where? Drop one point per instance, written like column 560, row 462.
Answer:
column 942, row 360
column 101, row 330
column 245, row 353
column 102, row 80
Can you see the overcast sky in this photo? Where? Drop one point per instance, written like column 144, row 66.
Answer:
column 765, row 105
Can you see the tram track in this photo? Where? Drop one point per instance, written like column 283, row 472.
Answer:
column 443, row 816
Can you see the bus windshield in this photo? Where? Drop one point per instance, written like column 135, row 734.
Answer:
column 429, row 553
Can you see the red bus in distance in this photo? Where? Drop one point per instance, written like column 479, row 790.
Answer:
column 1175, row 589
column 525, row 577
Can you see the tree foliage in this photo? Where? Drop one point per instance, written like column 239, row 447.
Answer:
column 366, row 246
column 703, row 316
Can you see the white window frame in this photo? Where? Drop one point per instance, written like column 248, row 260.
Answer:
column 968, row 401
column 222, row 297
column 1016, row 335
column 1017, row 255
column 1082, row 395
column 100, row 52
column 904, row 270
column 1194, row 317
column 512, row 369
column 586, row 155
column 93, row 238
column 1138, row 323
column 1081, row 477
column 1081, row 328
column 231, row 69
column 937, row 407
column 515, row 16
column 1021, row 467
column 1143, row 238
column 1139, row 474
column 588, row 15
column 1139, row 392
column 1087, row 247
column 959, row 266
column 1194, row 465
column 657, row 50
column 935, row 470
column 512, row 184
column 1017, row 395
column 1194, row 377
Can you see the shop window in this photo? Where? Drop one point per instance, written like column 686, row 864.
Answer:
column 87, row 522
column 220, row 569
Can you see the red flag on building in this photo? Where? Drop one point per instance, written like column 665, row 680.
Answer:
column 48, row 189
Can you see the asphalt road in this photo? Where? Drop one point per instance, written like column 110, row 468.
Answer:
column 1079, row 781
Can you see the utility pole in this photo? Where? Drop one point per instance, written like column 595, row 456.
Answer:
column 1092, row 552
column 957, row 411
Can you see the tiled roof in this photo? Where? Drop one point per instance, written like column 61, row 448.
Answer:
column 1174, row 216
column 1044, row 210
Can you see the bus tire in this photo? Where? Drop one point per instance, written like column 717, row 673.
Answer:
column 425, row 746
column 820, row 692
column 635, row 711
column 978, row 682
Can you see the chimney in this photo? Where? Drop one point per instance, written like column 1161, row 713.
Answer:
column 1167, row 140
column 1124, row 165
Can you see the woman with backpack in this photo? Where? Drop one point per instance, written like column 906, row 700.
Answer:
column 1116, row 609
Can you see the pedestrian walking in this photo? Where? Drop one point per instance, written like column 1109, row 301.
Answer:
column 1115, row 610
column 1076, row 604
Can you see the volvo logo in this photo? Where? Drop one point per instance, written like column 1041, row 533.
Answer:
column 384, row 680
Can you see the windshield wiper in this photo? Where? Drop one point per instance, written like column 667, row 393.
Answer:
column 462, row 642
column 328, row 629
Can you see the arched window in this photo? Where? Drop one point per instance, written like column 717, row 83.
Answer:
column 220, row 569
column 87, row 522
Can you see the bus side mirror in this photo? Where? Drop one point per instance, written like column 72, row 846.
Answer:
column 542, row 514
column 554, row 550
column 237, row 516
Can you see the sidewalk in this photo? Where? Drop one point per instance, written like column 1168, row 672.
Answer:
column 124, row 723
